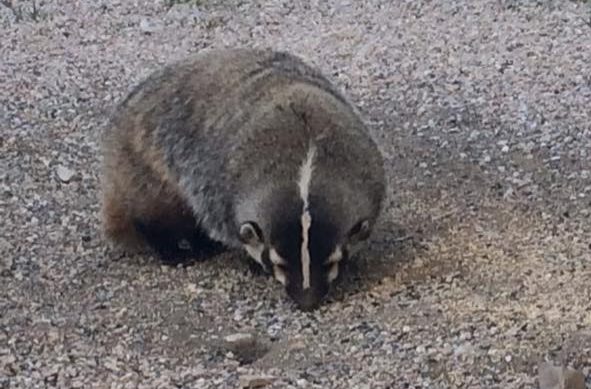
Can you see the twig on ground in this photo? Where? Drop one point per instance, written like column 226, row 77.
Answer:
column 404, row 238
column 443, row 216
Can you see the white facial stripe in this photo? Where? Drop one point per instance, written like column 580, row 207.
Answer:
column 306, row 222
column 279, row 275
column 256, row 252
column 336, row 255
column 276, row 259
column 304, row 184
column 306, row 174
column 334, row 272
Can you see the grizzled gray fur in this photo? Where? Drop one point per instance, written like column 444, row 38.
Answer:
column 243, row 148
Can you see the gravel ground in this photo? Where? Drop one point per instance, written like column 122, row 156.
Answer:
column 479, row 271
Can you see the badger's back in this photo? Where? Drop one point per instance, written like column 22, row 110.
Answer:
column 222, row 125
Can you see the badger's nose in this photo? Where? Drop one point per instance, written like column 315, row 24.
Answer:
column 308, row 300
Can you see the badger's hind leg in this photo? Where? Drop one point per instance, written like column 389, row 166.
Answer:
column 159, row 221
column 141, row 211
column 165, row 240
column 179, row 242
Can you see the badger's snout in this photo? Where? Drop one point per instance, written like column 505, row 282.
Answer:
column 308, row 299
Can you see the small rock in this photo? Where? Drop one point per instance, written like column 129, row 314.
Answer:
column 464, row 349
column 473, row 135
column 240, row 341
column 65, row 174
column 6, row 263
column 77, row 384
column 6, row 362
column 111, row 364
column 252, row 381
column 192, row 290
column 297, row 345
column 245, row 347
column 146, row 27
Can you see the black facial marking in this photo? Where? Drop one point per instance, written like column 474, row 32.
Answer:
column 286, row 231
column 286, row 239
column 323, row 239
column 257, row 230
column 323, row 232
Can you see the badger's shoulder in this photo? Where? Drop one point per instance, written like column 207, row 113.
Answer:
column 299, row 119
column 217, row 90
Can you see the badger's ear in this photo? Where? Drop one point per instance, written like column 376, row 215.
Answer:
column 360, row 232
column 250, row 233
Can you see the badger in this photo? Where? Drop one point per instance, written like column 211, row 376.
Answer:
column 243, row 149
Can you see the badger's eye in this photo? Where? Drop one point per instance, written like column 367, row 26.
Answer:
column 360, row 231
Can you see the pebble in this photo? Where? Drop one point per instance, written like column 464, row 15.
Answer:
column 6, row 263
column 255, row 381
column 245, row 347
column 240, row 341
column 146, row 27
column 64, row 173
column 297, row 345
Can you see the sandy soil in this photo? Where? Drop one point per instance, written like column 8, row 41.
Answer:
column 479, row 270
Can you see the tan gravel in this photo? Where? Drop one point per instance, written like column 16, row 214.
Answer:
column 479, row 272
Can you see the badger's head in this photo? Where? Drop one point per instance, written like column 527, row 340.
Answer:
column 304, row 254
column 302, row 234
